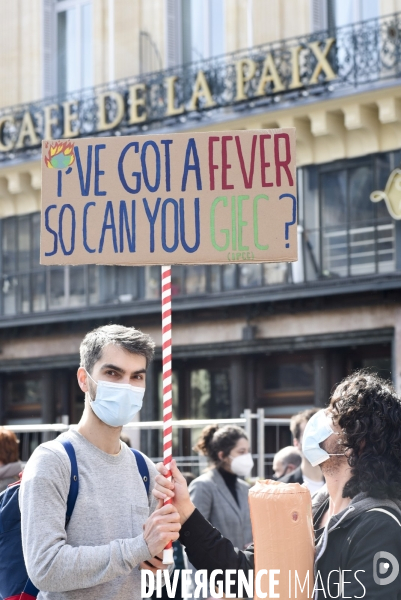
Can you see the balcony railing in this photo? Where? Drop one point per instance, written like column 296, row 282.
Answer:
column 349, row 252
column 329, row 253
column 362, row 53
column 360, row 250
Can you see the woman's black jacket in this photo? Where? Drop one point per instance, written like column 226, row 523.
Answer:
column 363, row 542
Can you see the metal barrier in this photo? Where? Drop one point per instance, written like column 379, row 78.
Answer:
column 264, row 435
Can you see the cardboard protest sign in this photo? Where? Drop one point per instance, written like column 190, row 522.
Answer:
column 187, row 198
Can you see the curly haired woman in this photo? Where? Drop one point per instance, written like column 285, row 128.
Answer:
column 357, row 515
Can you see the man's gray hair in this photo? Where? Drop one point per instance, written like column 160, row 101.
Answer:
column 289, row 456
column 129, row 338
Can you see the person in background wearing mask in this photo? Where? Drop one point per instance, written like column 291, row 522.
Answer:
column 286, row 461
column 356, row 516
column 115, row 528
column 219, row 494
column 305, row 473
column 10, row 464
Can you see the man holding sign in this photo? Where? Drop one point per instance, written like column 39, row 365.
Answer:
column 98, row 553
column 193, row 198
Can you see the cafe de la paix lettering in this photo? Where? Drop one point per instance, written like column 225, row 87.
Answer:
column 131, row 105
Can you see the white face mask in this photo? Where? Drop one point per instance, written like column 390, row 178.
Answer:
column 317, row 430
column 242, row 465
column 116, row 404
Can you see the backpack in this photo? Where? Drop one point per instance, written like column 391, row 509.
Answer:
column 14, row 581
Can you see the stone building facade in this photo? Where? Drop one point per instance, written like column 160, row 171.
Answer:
column 276, row 336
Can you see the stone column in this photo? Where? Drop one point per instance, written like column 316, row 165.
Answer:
column 321, row 378
column 237, row 386
column 63, row 381
column 48, row 401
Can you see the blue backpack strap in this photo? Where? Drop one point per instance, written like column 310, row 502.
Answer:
column 74, row 483
column 142, row 468
column 30, row 589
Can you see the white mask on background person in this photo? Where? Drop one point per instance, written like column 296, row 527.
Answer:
column 317, row 430
column 116, row 404
column 242, row 464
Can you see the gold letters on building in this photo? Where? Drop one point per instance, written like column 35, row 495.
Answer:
column 136, row 111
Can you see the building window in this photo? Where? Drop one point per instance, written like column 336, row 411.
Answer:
column 319, row 10
column 20, row 267
column 177, row 280
column 23, row 396
column 250, row 275
column 345, row 234
column 149, row 55
column 215, row 278
column 67, row 287
column 288, row 375
column 152, row 282
column 74, row 45
column 195, row 280
column 28, row 287
column 195, row 30
column 229, row 277
column 341, row 234
column 328, row 14
column 286, row 380
column 126, row 284
column 275, row 273
column 209, row 396
column 353, row 11
column 202, row 29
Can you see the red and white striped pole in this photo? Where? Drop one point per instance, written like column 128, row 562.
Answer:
column 167, row 389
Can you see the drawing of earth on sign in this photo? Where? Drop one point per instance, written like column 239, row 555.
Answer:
column 60, row 155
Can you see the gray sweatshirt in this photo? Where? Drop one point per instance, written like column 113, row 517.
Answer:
column 96, row 556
